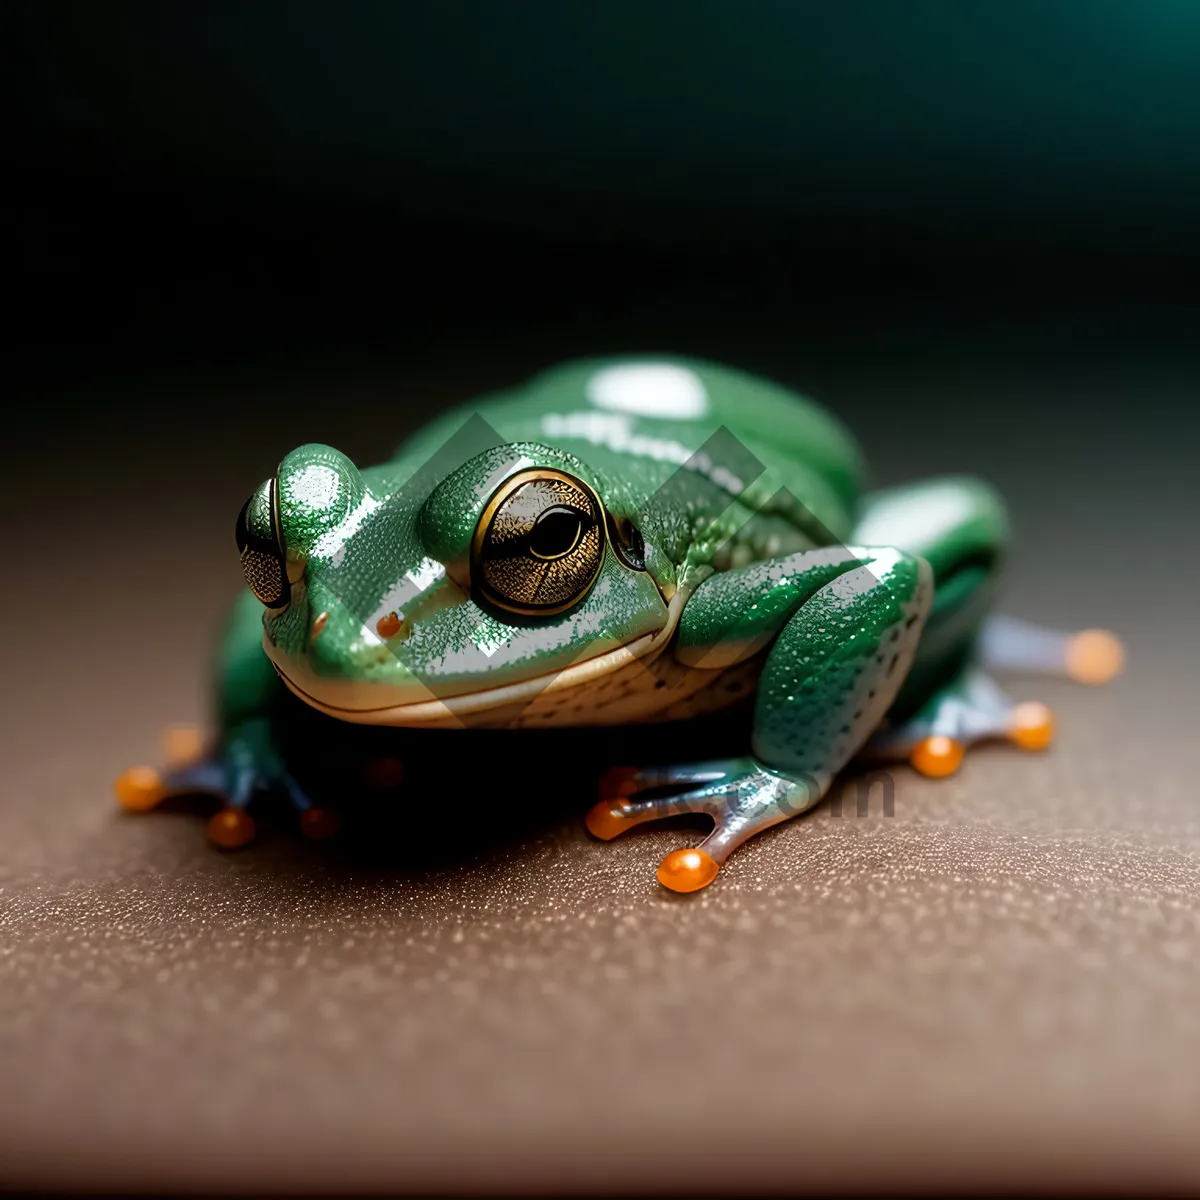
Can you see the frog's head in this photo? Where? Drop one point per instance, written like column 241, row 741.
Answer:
column 395, row 598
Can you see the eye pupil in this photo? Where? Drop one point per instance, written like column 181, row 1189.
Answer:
column 556, row 533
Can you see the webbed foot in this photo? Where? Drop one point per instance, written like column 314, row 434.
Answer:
column 241, row 767
column 972, row 710
column 741, row 795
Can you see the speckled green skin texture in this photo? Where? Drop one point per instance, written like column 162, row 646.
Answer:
column 760, row 548
column 843, row 624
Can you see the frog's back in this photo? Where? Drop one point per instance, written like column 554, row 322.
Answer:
column 610, row 412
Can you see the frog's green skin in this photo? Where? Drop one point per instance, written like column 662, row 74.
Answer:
column 766, row 568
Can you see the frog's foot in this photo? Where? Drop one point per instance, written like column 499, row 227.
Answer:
column 971, row 710
column 742, row 797
column 1093, row 656
column 142, row 788
column 236, row 773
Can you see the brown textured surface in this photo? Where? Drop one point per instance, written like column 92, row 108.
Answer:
column 998, row 984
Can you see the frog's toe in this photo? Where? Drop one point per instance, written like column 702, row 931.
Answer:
column 937, row 756
column 140, row 789
column 740, row 795
column 609, row 818
column 320, row 824
column 235, row 780
column 1031, row 725
column 619, row 809
column 687, row 870
column 972, row 710
column 316, row 823
column 1092, row 656
column 182, row 746
column 748, row 801
column 231, row 828
column 619, row 783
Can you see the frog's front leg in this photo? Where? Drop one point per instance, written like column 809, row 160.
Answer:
column 843, row 624
column 244, row 761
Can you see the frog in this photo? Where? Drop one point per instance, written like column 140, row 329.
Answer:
column 619, row 541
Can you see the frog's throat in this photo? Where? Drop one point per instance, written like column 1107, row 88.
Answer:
column 460, row 709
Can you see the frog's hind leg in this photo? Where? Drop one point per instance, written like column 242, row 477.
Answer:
column 1092, row 656
column 971, row 709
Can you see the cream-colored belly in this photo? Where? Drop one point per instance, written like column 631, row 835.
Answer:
column 637, row 692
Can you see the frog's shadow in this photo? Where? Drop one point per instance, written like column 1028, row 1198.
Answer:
column 463, row 794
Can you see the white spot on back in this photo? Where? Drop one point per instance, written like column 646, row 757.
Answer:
column 915, row 522
column 649, row 390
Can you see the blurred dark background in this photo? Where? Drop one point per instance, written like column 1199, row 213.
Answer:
column 229, row 179
column 970, row 228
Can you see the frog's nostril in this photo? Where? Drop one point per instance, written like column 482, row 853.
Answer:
column 393, row 625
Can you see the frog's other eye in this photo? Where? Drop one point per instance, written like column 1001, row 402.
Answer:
column 627, row 542
column 539, row 544
column 261, row 546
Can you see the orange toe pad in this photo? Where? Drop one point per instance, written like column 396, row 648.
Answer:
column 607, row 818
column 139, row 788
column 182, row 745
column 1032, row 726
column 687, row 870
column 231, row 828
column 320, row 823
column 1094, row 656
column 937, row 756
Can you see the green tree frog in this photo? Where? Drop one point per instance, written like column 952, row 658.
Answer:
column 625, row 541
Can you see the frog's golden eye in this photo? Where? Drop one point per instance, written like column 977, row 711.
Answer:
column 539, row 544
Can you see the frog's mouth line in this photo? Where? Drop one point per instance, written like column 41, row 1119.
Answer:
column 434, row 711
